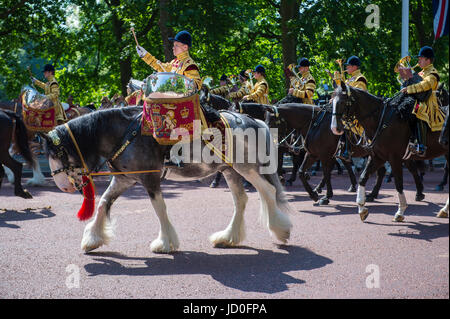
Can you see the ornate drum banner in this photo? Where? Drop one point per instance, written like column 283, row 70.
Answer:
column 37, row 110
column 171, row 106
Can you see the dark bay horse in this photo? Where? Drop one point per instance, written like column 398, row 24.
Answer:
column 313, row 123
column 386, row 126
column 101, row 133
column 443, row 140
column 12, row 127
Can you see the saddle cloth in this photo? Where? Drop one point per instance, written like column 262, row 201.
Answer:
column 164, row 117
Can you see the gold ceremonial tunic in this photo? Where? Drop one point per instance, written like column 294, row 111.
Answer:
column 304, row 88
column 221, row 90
column 358, row 81
column 51, row 90
column 182, row 64
column 429, row 110
column 260, row 92
column 243, row 91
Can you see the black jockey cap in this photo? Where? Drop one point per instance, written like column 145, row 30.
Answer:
column 183, row 37
column 426, row 52
column 243, row 74
column 223, row 77
column 353, row 60
column 48, row 68
column 303, row 62
column 260, row 69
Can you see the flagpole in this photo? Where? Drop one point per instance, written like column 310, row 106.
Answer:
column 405, row 28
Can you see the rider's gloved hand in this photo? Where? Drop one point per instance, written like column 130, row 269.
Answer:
column 141, row 51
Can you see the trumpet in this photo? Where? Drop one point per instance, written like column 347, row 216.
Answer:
column 404, row 69
column 297, row 77
column 250, row 75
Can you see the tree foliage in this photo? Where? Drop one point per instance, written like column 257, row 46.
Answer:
column 90, row 43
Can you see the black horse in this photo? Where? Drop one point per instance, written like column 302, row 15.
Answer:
column 386, row 126
column 100, row 134
column 313, row 123
column 11, row 126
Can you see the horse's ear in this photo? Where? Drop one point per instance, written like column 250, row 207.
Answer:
column 343, row 86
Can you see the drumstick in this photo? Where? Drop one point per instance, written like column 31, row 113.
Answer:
column 135, row 39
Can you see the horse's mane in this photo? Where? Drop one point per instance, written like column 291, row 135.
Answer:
column 87, row 127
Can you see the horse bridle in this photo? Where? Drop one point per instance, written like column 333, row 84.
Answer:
column 63, row 156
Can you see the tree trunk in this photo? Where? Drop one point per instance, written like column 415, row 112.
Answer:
column 289, row 10
column 166, row 32
column 124, row 62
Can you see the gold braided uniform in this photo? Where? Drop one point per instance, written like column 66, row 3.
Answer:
column 221, row 90
column 429, row 110
column 304, row 88
column 358, row 80
column 182, row 64
column 260, row 92
column 51, row 90
column 243, row 91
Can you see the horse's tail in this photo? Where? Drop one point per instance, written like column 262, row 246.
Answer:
column 21, row 137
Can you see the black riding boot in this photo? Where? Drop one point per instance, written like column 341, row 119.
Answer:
column 343, row 153
column 418, row 137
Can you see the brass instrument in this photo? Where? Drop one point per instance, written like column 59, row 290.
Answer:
column 292, row 68
column 249, row 73
column 342, row 74
column 208, row 82
column 404, row 69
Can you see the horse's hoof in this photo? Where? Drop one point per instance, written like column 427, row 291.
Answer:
column 439, row 188
column 24, row 194
column 314, row 196
column 214, row 184
column 398, row 218
column 352, row 189
column 313, row 173
column 442, row 214
column 370, row 198
column 324, row 201
column 419, row 197
column 363, row 214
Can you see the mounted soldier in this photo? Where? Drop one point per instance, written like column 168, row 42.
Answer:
column 259, row 92
column 182, row 64
column 52, row 92
column 305, row 86
column 245, row 87
column 224, row 89
column 427, row 112
column 357, row 80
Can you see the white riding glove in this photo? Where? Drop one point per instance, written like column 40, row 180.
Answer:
column 141, row 51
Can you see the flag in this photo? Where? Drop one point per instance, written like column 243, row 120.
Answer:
column 440, row 13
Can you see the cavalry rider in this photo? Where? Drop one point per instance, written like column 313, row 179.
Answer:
column 427, row 112
column 306, row 86
column 182, row 64
column 51, row 91
column 244, row 89
column 357, row 80
column 260, row 92
column 223, row 90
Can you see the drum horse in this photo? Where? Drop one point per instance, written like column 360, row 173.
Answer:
column 99, row 134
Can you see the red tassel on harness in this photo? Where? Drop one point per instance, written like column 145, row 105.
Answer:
column 87, row 209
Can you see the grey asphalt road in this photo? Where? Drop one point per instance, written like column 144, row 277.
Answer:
column 331, row 253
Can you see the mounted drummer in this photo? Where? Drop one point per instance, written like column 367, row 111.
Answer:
column 182, row 64
column 357, row 80
column 51, row 90
column 427, row 112
column 305, row 86
column 259, row 93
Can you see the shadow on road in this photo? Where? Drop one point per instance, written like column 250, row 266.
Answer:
column 264, row 271
column 423, row 230
column 8, row 216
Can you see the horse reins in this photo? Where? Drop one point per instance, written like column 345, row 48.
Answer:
column 62, row 155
